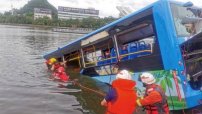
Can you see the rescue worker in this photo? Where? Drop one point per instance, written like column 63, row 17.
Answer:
column 62, row 75
column 154, row 100
column 121, row 97
column 50, row 62
column 53, row 60
column 55, row 66
column 59, row 72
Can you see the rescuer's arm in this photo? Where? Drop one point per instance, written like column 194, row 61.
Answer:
column 53, row 67
column 152, row 98
column 111, row 95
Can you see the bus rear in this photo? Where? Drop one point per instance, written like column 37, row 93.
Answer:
column 188, row 25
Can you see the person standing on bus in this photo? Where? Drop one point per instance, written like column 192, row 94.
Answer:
column 121, row 97
column 154, row 100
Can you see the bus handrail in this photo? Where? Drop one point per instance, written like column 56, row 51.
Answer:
column 135, row 52
column 195, row 52
column 75, row 58
column 120, row 55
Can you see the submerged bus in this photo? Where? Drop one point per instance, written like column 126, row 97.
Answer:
column 164, row 38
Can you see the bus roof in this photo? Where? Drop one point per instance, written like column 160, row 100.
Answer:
column 76, row 44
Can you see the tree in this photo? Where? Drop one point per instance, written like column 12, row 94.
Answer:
column 29, row 7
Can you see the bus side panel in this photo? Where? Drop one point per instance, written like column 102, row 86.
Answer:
column 164, row 79
column 167, row 36
column 193, row 97
column 170, row 50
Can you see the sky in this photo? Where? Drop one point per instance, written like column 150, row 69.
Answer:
column 106, row 7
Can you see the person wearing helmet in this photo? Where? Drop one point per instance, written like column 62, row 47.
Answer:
column 154, row 100
column 59, row 72
column 121, row 97
column 53, row 60
column 54, row 68
column 62, row 75
column 50, row 62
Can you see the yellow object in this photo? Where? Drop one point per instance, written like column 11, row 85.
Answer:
column 52, row 60
column 138, row 102
column 141, row 97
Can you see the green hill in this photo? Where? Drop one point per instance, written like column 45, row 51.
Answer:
column 29, row 7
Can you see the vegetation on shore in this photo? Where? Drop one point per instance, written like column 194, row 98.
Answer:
column 25, row 15
column 84, row 23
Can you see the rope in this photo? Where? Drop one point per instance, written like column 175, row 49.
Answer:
column 89, row 89
column 75, row 82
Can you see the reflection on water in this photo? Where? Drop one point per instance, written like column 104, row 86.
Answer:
column 24, row 84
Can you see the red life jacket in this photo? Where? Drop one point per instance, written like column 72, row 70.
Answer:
column 160, row 107
column 62, row 75
column 55, row 71
column 125, row 103
column 56, row 66
column 48, row 64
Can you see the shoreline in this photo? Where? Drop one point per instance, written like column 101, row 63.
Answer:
column 28, row 25
column 52, row 28
column 43, row 26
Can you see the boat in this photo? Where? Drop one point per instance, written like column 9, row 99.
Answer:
column 72, row 30
column 164, row 38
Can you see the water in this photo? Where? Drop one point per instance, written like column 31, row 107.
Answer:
column 24, row 84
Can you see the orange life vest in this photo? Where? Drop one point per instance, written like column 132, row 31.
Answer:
column 125, row 102
column 160, row 107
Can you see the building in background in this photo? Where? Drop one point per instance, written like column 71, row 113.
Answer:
column 123, row 10
column 76, row 13
column 42, row 12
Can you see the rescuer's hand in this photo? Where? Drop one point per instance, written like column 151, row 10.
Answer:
column 103, row 102
column 138, row 102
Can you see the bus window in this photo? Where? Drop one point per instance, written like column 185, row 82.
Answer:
column 192, row 54
column 143, row 51
column 188, row 20
column 124, row 52
column 89, row 58
column 98, row 54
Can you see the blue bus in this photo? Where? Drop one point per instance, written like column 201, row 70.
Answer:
column 164, row 38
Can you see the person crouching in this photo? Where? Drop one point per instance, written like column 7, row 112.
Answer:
column 121, row 97
column 155, row 100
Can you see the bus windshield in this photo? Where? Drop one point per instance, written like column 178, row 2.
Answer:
column 187, row 20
